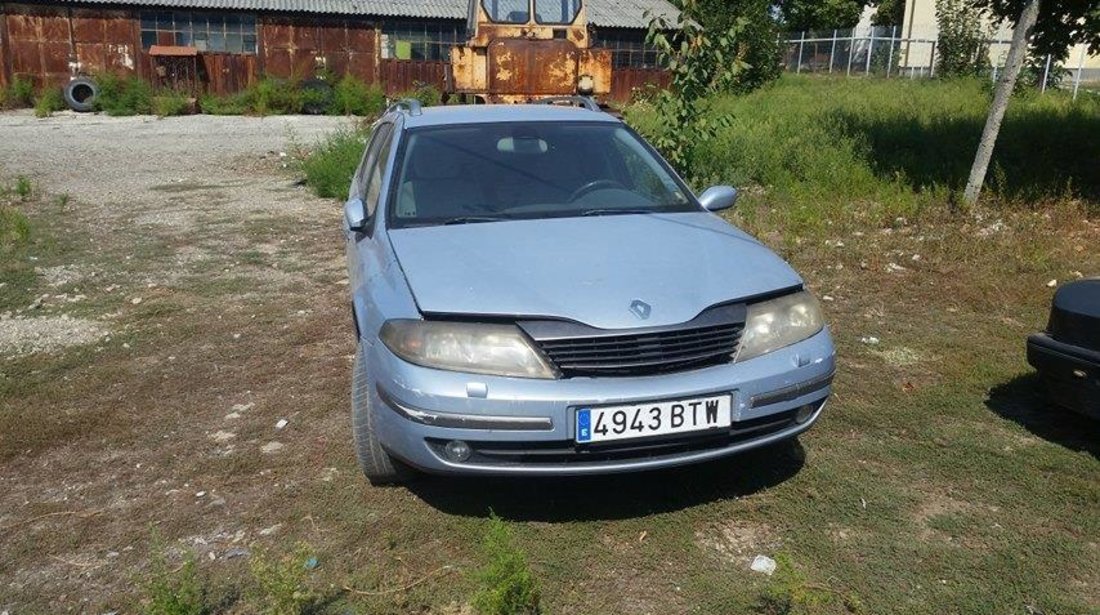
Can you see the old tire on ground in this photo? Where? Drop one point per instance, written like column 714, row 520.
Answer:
column 80, row 94
column 316, row 96
column 379, row 466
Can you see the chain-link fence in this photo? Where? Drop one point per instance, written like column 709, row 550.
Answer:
column 882, row 51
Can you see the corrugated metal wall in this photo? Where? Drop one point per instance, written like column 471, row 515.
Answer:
column 48, row 44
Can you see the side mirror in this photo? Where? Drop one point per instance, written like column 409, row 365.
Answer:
column 717, row 198
column 355, row 216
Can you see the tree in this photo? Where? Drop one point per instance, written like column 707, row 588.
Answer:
column 802, row 15
column 962, row 47
column 1059, row 25
column 757, row 40
column 889, row 13
column 700, row 63
column 1001, row 96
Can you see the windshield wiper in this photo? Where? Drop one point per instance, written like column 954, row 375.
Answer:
column 473, row 219
column 612, row 211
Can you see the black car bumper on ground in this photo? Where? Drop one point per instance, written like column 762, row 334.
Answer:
column 1071, row 373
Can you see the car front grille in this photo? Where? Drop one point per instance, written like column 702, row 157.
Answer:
column 578, row 350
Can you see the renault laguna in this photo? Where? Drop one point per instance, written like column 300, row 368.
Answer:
column 536, row 292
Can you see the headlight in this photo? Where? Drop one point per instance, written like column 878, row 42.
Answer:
column 771, row 325
column 500, row 350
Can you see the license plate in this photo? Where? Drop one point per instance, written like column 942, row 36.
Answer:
column 601, row 424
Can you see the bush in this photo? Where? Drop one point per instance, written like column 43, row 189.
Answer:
column 18, row 95
column 271, row 96
column 49, row 100
column 330, row 167
column 507, row 585
column 234, row 104
column 169, row 103
column 351, row 96
column 428, row 95
column 123, row 95
column 962, row 48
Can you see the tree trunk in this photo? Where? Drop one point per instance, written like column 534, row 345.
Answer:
column 1001, row 97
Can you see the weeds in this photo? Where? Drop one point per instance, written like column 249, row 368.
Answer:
column 330, row 167
column 15, row 228
column 283, row 583
column 23, row 187
column 169, row 103
column 428, row 95
column 791, row 594
column 50, row 100
column 175, row 592
column 351, row 96
column 19, row 94
column 123, row 95
column 507, row 585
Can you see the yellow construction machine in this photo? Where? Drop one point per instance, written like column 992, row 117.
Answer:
column 523, row 50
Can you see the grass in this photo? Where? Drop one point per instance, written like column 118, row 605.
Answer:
column 49, row 101
column 18, row 94
column 819, row 148
column 169, row 103
column 938, row 479
column 118, row 95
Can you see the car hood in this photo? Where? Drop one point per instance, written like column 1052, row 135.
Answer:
column 588, row 270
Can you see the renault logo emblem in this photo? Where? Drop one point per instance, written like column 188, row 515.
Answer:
column 640, row 308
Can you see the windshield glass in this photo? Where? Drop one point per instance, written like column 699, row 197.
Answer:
column 489, row 172
column 506, row 11
column 556, row 11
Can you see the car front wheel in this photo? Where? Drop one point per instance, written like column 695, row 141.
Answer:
column 380, row 467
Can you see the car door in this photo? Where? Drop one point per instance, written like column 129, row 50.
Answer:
column 359, row 243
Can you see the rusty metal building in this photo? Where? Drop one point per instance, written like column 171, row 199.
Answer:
column 395, row 44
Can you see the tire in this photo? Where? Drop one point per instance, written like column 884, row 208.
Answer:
column 81, row 93
column 380, row 467
column 316, row 96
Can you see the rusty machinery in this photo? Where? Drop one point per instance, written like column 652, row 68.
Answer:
column 520, row 50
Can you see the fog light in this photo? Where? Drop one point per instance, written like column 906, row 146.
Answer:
column 457, row 451
column 804, row 413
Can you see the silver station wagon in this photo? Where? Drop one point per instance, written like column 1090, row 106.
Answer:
column 536, row 292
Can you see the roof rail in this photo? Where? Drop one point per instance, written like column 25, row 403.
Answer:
column 583, row 101
column 411, row 105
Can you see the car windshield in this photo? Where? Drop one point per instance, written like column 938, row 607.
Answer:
column 490, row 172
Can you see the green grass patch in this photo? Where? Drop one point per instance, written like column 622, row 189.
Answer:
column 816, row 148
column 351, row 96
column 49, row 101
column 19, row 94
column 169, row 103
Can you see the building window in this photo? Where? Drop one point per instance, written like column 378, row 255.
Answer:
column 421, row 40
column 628, row 48
column 219, row 32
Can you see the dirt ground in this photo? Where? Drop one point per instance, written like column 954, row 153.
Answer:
column 182, row 296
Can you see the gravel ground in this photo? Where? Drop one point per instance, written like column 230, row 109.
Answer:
column 106, row 159
column 152, row 176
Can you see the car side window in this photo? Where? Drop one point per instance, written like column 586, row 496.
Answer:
column 362, row 176
column 376, row 170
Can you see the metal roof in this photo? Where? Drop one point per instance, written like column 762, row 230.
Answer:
column 605, row 13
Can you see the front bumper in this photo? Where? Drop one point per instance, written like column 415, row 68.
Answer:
column 1071, row 373
column 519, row 426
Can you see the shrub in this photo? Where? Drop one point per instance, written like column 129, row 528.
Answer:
column 507, row 585
column 234, row 104
column 331, row 165
column 428, row 95
column 123, row 95
column 962, row 48
column 49, row 101
column 271, row 96
column 351, row 96
column 20, row 94
column 169, row 103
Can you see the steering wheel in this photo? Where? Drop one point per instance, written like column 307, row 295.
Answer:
column 596, row 184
